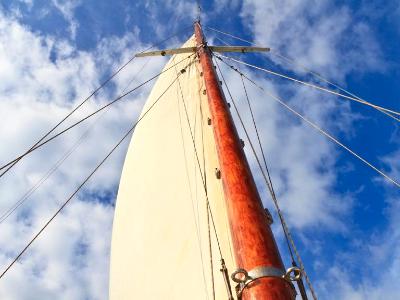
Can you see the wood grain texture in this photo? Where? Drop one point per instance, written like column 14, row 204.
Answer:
column 253, row 241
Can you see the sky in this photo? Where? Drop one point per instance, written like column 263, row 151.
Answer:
column 344, row 217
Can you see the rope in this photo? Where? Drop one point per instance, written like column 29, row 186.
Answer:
column 205, row 181
column 85, row 118
column 223, row 266
column 320, row 77
column 325, row 133
column 291, row 61
column 11, row 165
column 203, row 178
column 196, row 221
column 268, row 182
column 199, row 166
column 86, row 180
column 380, row 108
column 230, row 35
column 26, row 196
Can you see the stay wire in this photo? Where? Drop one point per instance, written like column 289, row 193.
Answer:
column 201, row 174
column 377, row 107
column 88, row 116
column 10, row 166
column 194, row 212
column 320, row 77
column 284, row 225
column 26, row 196
column 87, row 178
column 323, row 79
column 268, row 182
column 205, row 181
column 228, row 34
column 386, row 176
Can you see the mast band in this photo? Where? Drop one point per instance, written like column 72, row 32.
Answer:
column 243, row 278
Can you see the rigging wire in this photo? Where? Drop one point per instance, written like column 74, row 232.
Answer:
column 319, row 129
column 268, row 182
column 323, row 79
column 88, row 116
column 196, row 219
column 288, row 238
column 285, row 227
column 222, row 260
column 268, row 178
column 11, row 165
column 201, row 174
column 88, row 177
column 230, row 35
column 68, row 153
column 353, row 97
column 377, row 107
column 223, row 269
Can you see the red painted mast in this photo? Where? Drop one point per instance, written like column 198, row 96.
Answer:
column 253, row 242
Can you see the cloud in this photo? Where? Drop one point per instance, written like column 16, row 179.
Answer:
column 42, row 80
column 381, row 251
column 315, row 34
column 304, row 165
column 67, row 9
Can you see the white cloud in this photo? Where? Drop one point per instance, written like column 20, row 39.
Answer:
column 319, row 35
column 70, row 260
column 328, row 39
column 381, row 253
column 33, row 97
column 67, row 8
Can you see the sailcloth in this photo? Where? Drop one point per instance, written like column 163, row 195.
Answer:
column 164, row 244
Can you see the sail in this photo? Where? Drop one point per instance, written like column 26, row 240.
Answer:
column 164, row 244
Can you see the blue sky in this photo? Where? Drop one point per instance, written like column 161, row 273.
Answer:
column 343, row 216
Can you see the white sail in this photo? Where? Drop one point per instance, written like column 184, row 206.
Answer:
column 160, row 243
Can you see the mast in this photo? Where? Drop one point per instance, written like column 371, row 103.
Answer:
column 254, row 245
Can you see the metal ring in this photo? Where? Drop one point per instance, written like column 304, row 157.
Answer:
column 296, row 274
column 243, row 278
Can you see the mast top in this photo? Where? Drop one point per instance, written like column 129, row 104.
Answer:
column 238, row 49
column 198, row 17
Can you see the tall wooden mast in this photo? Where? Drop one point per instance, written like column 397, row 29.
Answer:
column 254, row 245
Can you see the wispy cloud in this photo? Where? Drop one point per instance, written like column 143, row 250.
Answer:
column 67, row 9
column 42, row 78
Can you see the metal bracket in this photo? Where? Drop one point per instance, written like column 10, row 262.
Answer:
column 218, row 173
column 240, row 49
column 243, row 278
column 269, row 216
